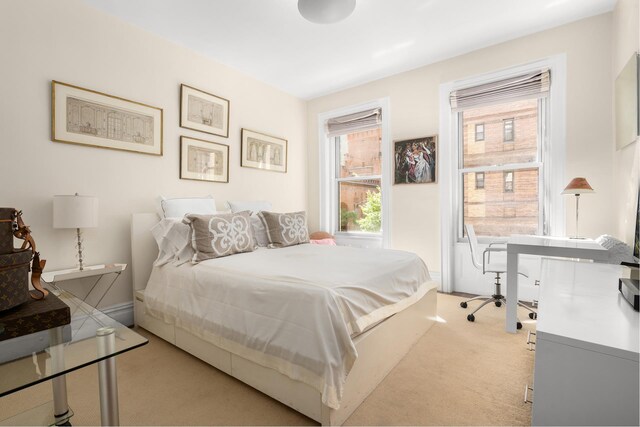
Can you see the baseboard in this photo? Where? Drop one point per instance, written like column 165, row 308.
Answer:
column 122, row 313
column 436, row 277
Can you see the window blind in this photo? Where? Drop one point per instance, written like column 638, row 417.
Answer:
column 531, row 85
column 360, row 121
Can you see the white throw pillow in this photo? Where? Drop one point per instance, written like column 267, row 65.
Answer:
column 174, row 242
column 259, row 231
column 253, row 206
column 180, row 206
column 618, row 250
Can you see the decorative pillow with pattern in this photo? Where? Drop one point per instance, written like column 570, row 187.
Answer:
column 219, row 235
column 285, row 229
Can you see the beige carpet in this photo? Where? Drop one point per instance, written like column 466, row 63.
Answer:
column 459, row 373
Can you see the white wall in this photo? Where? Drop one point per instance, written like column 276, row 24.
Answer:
column 415, row 112
column 626, row 161
column 68, row 41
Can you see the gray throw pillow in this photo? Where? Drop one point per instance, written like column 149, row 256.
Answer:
column 220, row 235
column 285, row 229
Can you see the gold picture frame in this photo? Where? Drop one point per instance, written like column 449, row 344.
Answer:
column 261, row 151
column 97, row 119
column 203, row 111
column 202, row 160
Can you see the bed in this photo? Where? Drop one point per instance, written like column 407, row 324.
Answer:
column 335, row 325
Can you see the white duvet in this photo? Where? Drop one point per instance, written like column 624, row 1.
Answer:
column 293, row 309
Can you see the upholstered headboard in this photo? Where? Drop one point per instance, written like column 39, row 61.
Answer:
column 144, row 249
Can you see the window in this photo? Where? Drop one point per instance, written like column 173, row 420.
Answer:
column 358, row 180
column 503, row 208
column 352, row 174
column 501, row 182
column 492, row 211
column 508, row 130
column 480, row 132
column 508, row 182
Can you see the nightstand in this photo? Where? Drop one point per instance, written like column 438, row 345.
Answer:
column 96, row 293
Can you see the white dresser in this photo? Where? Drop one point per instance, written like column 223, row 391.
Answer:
column 586, row 360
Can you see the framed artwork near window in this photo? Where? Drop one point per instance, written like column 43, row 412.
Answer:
column 87, row 117
column 204, row 111
column 261, row 151
column 416, row 160
column 202, row 160
column 627, row 103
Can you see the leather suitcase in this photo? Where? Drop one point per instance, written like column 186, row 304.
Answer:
column 14, row 278
column 6, row 232
column 34, row 316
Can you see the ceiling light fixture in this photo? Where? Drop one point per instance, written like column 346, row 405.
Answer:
column 326, row 11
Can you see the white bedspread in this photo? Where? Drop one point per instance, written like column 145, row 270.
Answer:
column 293, row 309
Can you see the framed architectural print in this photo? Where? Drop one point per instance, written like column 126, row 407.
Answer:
column 262, row 151
column 203, row 111
column 86, row 117
column 416, row 160
column 203, row 160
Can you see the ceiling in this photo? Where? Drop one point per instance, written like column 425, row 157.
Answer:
column 270, row 41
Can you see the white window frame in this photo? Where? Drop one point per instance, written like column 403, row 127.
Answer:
column 329, row 181
column 475, row 136
column 554, row 170
column 542, row 154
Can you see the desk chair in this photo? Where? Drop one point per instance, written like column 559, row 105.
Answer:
column 490, row 267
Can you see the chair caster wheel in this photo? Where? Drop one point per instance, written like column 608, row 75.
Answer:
column 533, row 316
column 518, row 325
column 463, row 304
column 471, row 318
column 498, row 303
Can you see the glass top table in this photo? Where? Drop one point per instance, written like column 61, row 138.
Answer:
column 91, row 337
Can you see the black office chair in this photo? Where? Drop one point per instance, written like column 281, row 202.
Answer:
column 490, row 267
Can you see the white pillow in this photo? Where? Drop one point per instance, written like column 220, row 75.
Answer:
column 618, row 250
column 253, row 206
column 174, row 242
column 259, row 231
column 179, row 207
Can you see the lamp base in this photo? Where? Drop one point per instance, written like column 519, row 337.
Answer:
column 79, row 247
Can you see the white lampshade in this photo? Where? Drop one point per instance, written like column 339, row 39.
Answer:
column 75, row 211
column 326, row 11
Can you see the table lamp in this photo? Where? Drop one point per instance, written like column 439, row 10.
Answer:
column 578, row 186
column 75, row 212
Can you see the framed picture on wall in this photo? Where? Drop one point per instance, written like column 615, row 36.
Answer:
column 204, row 111
column 261, row 151
column 416, row 160
column 627, row 103
column 203, row 160
column 87, row 117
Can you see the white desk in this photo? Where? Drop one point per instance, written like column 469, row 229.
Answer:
column 587, row 347
column 543, row 246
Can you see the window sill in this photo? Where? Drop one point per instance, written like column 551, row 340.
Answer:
column 364, row 240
